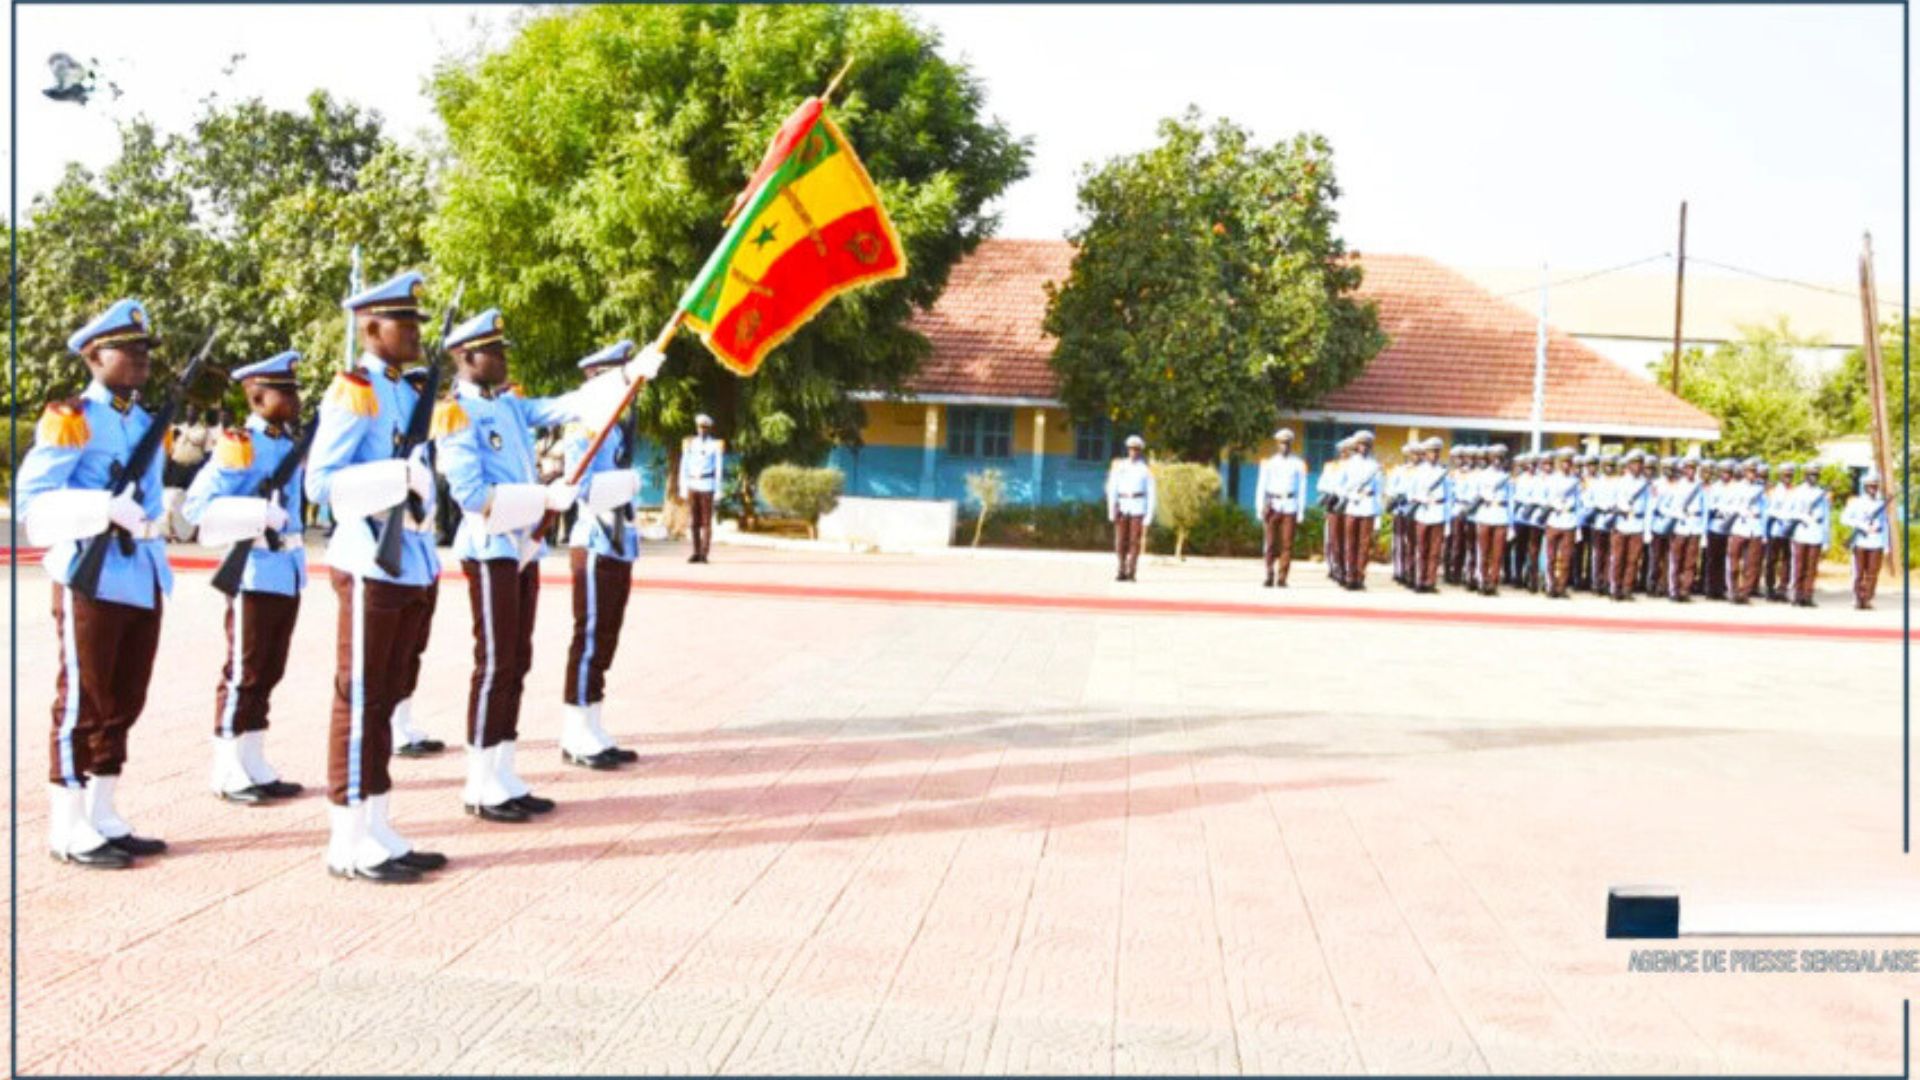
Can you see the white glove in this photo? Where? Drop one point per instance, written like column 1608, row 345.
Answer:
column 419, row 479
column 368, row 488
column 514, row 506
column 233, row 518
column 65, row 514
column 644, row 366
column 276, row 517
column 561, row 495
column 126, row 513
column 610, row 490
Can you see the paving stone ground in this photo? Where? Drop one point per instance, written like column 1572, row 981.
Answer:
column 913, row 835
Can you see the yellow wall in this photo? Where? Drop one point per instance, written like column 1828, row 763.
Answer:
column 892, row 423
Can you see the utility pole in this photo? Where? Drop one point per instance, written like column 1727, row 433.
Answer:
column 1877, row 394
column 1540, row 363
column 1679, row 302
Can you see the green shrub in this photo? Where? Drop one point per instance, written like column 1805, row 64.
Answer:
column 1183, row 491
column 7, row 434
column 1075, row 526
column 800, row 492
column 1222, row 530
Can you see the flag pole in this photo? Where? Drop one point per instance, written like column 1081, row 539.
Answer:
column 667, row 333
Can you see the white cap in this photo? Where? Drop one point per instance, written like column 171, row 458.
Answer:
column 1284, row 433
column 1136, row 441
column 703, row 420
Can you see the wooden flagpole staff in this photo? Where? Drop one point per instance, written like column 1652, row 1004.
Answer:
column 667, row 332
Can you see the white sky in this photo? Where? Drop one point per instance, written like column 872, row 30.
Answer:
column 1480, row 136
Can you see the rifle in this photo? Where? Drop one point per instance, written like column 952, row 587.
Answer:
column 388, row 551
column 93, row 557
column 234, row 566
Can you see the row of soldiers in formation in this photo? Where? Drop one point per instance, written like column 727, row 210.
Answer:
column 1556, row 521
column 360, row 463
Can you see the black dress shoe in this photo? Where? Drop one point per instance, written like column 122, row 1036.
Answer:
column 533, row 804
column 420, row 748
column 590, row 760
column 281, row 789
column 422, row 861
column 624, row 755
column 507, row 812
column 247, row 796
column 603, row 760
column 138, row 845
column 104, row 857
column 391, row 872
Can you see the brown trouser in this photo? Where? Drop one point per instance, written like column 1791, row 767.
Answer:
column 259, row 632
column 1715, row 570
column 601, row 586
column 1743, row 566
column 106, row 661
column 1624, row 559
column 700, row 520
column 1429, row 542
column 1683, row 560
column 1129, row 535
column 380, row 623
column 1866, row 573
column 1459, row 550
column 1655, row 572
column 1403, row 547
column 1600, row 554
column 504, row 596
column 1333, row 536
column 1779, row 560
column 1559, row 559
column 414, row 659
column 1490, row 555
column 1277, row 548
column 1806, row 570
column 1356, row 547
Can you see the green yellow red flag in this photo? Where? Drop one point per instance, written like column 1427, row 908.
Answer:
column 808, row 227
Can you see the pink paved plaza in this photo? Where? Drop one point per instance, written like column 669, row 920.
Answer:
column 879, row 828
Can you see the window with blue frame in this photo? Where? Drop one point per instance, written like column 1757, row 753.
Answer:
column 1095, row 441
column 1471, row 437
column 976, row 431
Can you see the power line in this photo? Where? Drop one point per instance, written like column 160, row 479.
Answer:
column 1590, row 275
column 1828, row 289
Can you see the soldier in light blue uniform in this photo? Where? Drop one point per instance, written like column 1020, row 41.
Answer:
column 1779, row 554
column 605, row 544
column 1492, row 521
column 1812, row 520
column 1747, row 530
column 1685, row 508
column 108, row 640
column 484, row 437
column 1363, row 488
column 226, row 505
column 1632, row 499
column 703, row 468
column 1559, row 492
column 1428, row 492
column 1867, row 515
column 355, row 470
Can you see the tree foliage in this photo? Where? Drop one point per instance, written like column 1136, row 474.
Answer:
column 798, row 491
column 1758, row 391
column 243, row 223
column 597, row 154
column 1843, row 401
column 1210, row 290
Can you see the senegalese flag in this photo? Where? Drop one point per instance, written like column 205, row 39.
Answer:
column 806, row 229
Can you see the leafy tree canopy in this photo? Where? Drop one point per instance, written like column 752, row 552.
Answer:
column 1758, row 391
column 594, row 158
column 245, row 223
column 1210, row 291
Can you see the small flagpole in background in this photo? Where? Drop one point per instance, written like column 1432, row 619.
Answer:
column 1540, row 364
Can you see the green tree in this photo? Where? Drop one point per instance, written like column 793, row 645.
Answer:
column 1757, row 390
column 596, row 155
column 244, row 222
column 1843, row 401
column 802, row 492
column 1210, row 290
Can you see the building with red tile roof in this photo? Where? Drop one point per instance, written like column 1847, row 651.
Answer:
column 1459, row 362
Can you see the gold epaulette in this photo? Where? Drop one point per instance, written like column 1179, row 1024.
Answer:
column 448, row 419
column 235, row 449
column 351, row 391
column 63, row 424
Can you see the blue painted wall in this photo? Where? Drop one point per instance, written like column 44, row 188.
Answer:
column 894, row 472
